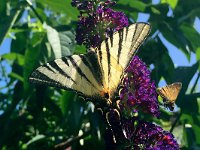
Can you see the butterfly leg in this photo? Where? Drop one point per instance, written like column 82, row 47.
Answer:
column 114, row 121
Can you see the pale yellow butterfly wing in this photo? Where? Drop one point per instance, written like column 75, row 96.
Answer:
column 80, row 73
column 98, row 73
column 115, row 53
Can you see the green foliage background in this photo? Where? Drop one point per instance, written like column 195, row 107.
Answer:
column 40, row 117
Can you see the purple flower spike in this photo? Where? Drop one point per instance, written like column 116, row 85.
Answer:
column 138, row 92
column 148, row 136
column 95, row 27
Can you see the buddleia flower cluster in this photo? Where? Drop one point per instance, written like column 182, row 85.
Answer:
column 138, row 92
column 97, row 21
column 148, row 136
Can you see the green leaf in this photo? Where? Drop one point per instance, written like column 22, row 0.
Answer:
column 192, row 35
column 175, row 37
column 178, row 133
column 19, row 44
column 196, row 129
column 65, row 100
column 155, row 11
column 18, row 58
column 172, row 3
column 32, row 56
column 190, row 137
column 184, row 75
column 62, row 43
column 35, row 139
column 139, row 5
column 61, row 6
column 16, row 76
column 164, row 66
column 186, row 11
column 3, row 7
column 80, row 49
column 75, row 114
column 191, row 100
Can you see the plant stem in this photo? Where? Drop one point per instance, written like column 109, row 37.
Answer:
column 33, row 9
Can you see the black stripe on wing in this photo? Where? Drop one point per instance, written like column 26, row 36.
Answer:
column 57, row 68
column 42, row 78
column 49, row 73
column 108, row 56
column 91, row 61
column 65, row 60
column 126, row 33
column 121, row 32
column 100, row 53
column 49, row 68
column 136, row 36
column 111, row 40
column 79, row 71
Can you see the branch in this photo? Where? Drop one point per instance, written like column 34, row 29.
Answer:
column 70, row 141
